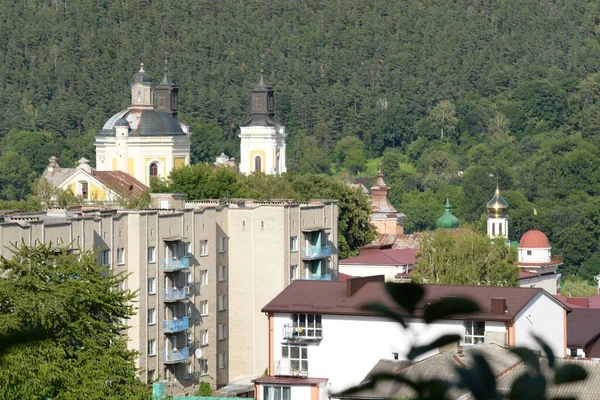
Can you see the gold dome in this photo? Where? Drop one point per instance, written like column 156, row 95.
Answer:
column 497, row 206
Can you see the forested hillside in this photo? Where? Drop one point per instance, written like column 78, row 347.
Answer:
column 449, row 93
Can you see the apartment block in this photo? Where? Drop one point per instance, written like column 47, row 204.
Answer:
column 202, row 271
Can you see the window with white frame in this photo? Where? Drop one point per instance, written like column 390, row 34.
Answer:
column 222, row 302
column 152, row 347
column 294, row 243
column 222, row 273
column 222, row 331
column 203, row 247
column 204, row 277
column 151, row 316
column 152, row 285
column 187, row 278
column 204, row 338
column 307, row 325
column 277, row 393
column 120, row 256
column 151, row 374
column 223, row 245
column 297, row 355
column 105, row 257
column 474, row 332
column 203, row 366
column 204, row 307
column 186, row 248
column 187, row 371
column 151, row 254
column 222, row 361
column 293, row 272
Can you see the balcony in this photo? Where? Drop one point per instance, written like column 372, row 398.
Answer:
column 175, row 325
column 293, row 368
column 301, row 334
column 317, row 277
column 176, row 264
column 173, row 294
column 176, row 355
column 315, row 252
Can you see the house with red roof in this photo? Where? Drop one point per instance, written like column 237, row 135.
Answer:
column 396, row 265
column 323, row 341
column 537, row 264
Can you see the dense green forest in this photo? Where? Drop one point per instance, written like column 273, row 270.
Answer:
column 455, row 96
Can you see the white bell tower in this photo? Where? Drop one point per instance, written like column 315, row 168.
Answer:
column 497, row 220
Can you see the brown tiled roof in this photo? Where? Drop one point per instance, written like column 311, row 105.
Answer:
column 384, row 257
column 586, row 302
column 399, row 242
column 121, row 183
column 330, row 297
column 583, row 326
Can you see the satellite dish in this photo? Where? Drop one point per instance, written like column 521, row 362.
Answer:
column 198, row 353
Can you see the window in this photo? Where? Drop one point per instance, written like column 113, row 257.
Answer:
column 153, row 170
column 293, row 272
column 573, row 352
column 203, row 366
column 152, row 347
column 222, row 360
column 105, row 257
column 222, row 331
column 150, row 375
column 309, row 325
column 222, row 303
column 222, row 273
column 297, row 356
column 204, row 338
column 394, row 356
column 257, row 163
column 189, row 339
column 294, row 243
column 187, row 278
column 528, row 252
column 277, row 393
column 84, row 189
column 474, row 332
column 186, row 248
column 203, row 247
column 151, row 285
column 223, row 247
column 122, row 286
column 151, row 254
column 187, row 372
column 204, row 307
column 188, row 311
column 204, row 277
column 151, row 316
column 121, row 256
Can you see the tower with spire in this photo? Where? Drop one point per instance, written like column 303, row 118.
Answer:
column 385, row 217
column 262, row 146
column 497, row 219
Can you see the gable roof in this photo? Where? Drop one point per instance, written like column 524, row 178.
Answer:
column 348, row 298
column 583, row 327
column 383, row 257
column 58, row 175
column 121, row 183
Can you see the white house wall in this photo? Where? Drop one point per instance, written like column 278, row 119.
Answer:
column 389, row 271
column 544, row 318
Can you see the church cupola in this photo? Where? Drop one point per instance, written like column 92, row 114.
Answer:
column 447, row 220
column 141, row 89
column 166, row 95
column 497, row 219
column 263, row 105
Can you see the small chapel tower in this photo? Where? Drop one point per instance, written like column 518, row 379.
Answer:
column 497, row 220
column 262, row 146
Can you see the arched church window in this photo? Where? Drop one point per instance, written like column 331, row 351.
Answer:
column 153, row 170
column 257, row 163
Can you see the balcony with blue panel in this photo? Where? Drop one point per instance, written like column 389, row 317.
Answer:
column 316, row 252
column 173, row 294
column 175, row 325
column 176, row 264
column 317, row 277
column 176, row 355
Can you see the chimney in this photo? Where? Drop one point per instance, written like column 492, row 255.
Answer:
column 53, row 163
column 84, row 165
column 354, row 284
column 498, row 305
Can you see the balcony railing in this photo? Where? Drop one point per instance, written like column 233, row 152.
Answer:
column 176, row 264
column 317, row 277
column 173, row 294
column 176, row 325
column 176, row 355
column 303, row 334
column 315, row 252
column 295, row 368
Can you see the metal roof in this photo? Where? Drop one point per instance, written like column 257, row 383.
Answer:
column 145, row 123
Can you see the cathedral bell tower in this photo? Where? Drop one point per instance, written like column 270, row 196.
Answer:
column 262, row 146
column 166, row 95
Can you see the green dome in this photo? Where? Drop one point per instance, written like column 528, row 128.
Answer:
column 447, row 220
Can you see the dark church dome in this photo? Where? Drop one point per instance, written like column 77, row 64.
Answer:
column 144, row 123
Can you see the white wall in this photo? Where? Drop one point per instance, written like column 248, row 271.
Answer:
column 537, row 255
column 389, row 271
column 544, row 318
column 546, row 282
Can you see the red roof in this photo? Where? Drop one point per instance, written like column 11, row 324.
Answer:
column 348, row 298
column 583, row 327
column 343, row 277
column 121, row 183
column 383, row 257
column 581, row 302
column 534, row 239
column 527, row 274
